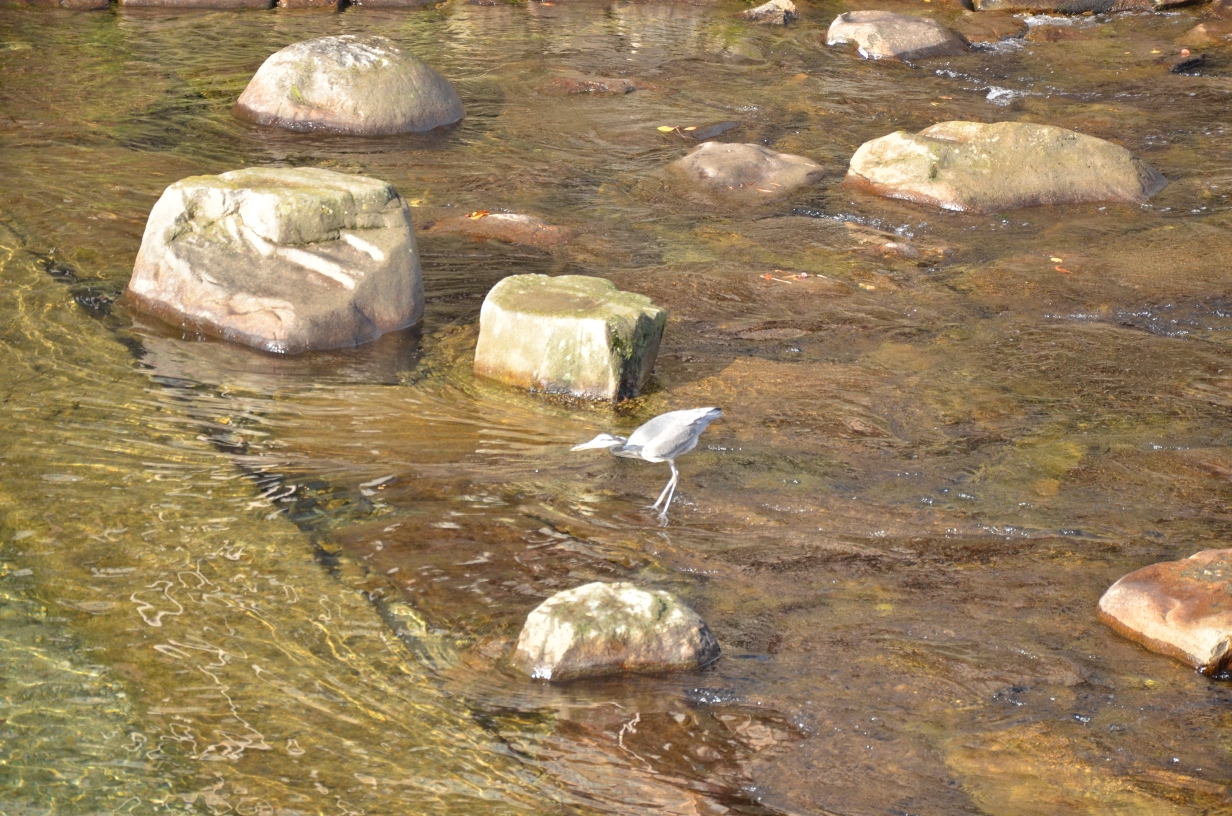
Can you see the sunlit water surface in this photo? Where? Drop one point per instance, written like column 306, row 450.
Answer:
column 231, row 583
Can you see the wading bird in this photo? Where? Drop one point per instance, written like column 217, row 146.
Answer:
column 661, row 439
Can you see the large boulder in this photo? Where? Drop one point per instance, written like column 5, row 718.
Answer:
column 1179, row 608
column 287, row 260
column 971, row 166
column 571, row 334
column 886, row 35
column 599, row 629
column 720, row 172
column 363, row 85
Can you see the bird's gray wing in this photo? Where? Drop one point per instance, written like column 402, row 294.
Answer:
column 672, row 434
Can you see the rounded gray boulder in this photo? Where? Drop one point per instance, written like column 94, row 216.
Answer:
column 286, row 260
column 599, row 629
column 362, row 85
column 886, row 35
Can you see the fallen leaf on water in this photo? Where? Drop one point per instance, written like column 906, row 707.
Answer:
column 1062, row 270
column 689, row 128
column 1056, row 260
column 478, row 214
column 665, row 128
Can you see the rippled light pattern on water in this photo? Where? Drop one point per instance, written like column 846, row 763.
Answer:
column 235, row 583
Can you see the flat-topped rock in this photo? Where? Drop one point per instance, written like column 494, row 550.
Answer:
column 599, row 629
column 571, row 334
column 513, row 228
column 886, row 35
column 989, row 26
column 221, row 5
column 286, row 260
column 1179, row 608
column 775, row 12
column 720, row 172
column 1074, row 6
column 363, row 85
column 972, row 166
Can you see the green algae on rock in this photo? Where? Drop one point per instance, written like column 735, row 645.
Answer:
column 284, row 260
column 974, row 167
column 601, row 628
column 572, row 334
column 362, row 85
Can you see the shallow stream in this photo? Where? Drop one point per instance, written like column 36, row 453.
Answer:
column 235, row 583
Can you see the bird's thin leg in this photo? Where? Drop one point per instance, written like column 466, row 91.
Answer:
column 671, row 483
column 668, row 488
column 671, row 491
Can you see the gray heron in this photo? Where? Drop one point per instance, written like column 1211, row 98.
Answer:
column 662, row 439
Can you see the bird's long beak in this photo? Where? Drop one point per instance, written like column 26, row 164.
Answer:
column 602, row 441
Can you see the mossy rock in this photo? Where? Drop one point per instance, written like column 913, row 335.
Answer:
column 572, row 334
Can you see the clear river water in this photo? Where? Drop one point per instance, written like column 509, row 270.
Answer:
column 237, row 583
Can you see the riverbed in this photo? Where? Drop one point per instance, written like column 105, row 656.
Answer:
column 232, row 582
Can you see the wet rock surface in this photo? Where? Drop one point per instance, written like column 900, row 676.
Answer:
column 886, row 35
column 1179, row 608
column 970, row 166
column 573, row 84
column 775, row 12
column 601, row 628
column 512, row 227
column 741, row 173
column 571, row 334
column 362, row 85
column 990, row 26
column 280, row 259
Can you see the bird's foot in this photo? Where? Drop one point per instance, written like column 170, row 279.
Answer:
column 663, row 518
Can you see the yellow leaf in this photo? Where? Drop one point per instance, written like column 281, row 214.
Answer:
column 1056, row 260
column 665, row 129
column 477, row 214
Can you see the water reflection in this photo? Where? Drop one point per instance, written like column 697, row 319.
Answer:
column 234, row 581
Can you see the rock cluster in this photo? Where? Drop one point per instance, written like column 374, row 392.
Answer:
column 1179, row 608
column 970, row 166
column 362, row 85
column 286, row 260
column 572, row 334
column 885, row 35
column 599, row 629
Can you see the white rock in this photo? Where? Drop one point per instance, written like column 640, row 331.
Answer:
column 571, row 334
column 287, row 260
column 885, row 35
column 600, row 628
column 365, row 85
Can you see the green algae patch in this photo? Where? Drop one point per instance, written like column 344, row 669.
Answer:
column 572, row 334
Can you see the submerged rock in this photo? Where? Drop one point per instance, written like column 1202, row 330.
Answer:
column 571, row 334
column 363, row 85
column 1179, row 608
column 198, row 4
column 742, row 173
column 985, row 168
column 1074, row 6
column 572, row 84
column 511, row 227
column 990, row 26
column 885, row 35
column 286, row 260
column 776, row 12
column 1206, row 34
column 599, row 629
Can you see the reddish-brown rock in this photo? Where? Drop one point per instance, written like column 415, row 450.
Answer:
column 577, row 84
column 1204, row 35
column 1179, row 608
column 989, row 26
column 510, row 227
